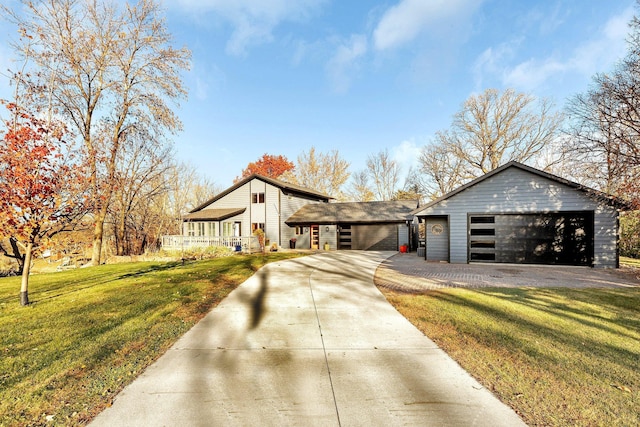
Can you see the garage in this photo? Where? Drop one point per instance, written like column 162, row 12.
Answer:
column 375, row 226
column 522, row 215
column 559, row 238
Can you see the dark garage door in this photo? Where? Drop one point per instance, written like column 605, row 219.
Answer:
column 564, row 238
column 375, row 237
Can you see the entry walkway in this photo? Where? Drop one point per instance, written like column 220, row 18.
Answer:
column 307, row 342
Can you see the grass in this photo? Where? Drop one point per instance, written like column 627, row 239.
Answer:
column 629, row 262
column 559, row 357
column 90, row 332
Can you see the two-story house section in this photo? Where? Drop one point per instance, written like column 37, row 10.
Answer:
column 256, row 202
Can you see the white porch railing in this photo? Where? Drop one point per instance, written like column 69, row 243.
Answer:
column 245, row 244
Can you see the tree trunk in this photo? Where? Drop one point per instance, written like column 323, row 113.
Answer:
column 24, row 286
column 98, row 232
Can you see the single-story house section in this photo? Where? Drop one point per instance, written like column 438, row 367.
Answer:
column 519, row 214
column 357, row 225
column 256, row 202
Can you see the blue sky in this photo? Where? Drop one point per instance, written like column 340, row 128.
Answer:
column 280, row 76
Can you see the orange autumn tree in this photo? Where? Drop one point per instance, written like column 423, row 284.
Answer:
column 41, row 186
column 268, row 165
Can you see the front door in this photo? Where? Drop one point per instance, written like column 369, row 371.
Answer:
column 315, row 237
column 437, row 239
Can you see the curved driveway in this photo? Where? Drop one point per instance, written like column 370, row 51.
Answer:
column 308, row 341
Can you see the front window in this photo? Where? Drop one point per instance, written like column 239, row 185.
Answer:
column 232, row 229
column 200, row 228
column 213, row 229
column 227, row 229
column 257, row 197
column 191, row 229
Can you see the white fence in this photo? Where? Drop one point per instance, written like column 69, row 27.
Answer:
column 245, row 244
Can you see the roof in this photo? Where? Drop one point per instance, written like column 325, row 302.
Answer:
column 353, row 213
column 213, row 214
column 595, row 194
column 286, row 187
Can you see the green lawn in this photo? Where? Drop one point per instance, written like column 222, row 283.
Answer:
column 89, row 332
column 559, row 357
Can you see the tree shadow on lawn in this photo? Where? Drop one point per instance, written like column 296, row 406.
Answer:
column 565, row 337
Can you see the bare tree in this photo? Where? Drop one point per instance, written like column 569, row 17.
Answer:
column 491, row 129
column 324, row 172
column 360, row 188
column 112, row 68
column 413, row 188
column 141, row 177
column 443, row 168
column 604, row 125
column 385, row 174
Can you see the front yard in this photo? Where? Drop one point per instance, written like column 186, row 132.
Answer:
column 92, row 331
column 559, row 357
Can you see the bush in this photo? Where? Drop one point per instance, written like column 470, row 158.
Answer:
column 199, row 253
column 630, row 234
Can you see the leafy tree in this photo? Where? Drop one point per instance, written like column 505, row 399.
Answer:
column 491, row 129
column 41, row 186
column 385, row 174
column 268, row 165
column 323, row 172
column 110, row 68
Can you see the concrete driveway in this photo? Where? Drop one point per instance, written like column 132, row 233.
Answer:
column 310, row 342
column 410, row 273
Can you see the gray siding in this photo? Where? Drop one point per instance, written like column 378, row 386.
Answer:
column 377, row 237
column 517, row 191
column 289, row 205
column 437, row 239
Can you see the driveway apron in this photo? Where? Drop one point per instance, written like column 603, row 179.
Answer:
column 308, row 341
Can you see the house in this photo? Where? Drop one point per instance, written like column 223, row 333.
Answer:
column 519, row 214
column 231, row 217
column 359, row 225
column 290, row 213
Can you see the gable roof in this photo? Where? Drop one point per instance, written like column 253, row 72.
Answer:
column 213, row 214
column 354, row 213
column 595, row 194
column 286, row 187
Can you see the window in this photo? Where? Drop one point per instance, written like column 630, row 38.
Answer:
column 191, row 229
column 299, row 230
column 257, row 197
column 232, row 229
column 213, row 229
column 257, row 225
column 200, row 228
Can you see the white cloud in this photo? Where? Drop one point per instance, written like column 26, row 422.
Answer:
column 253, row 21
column 590, row 57
column 406, row 154
column 492, row 59
column 405, row 21
column 533, row 73
column 344, row 62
